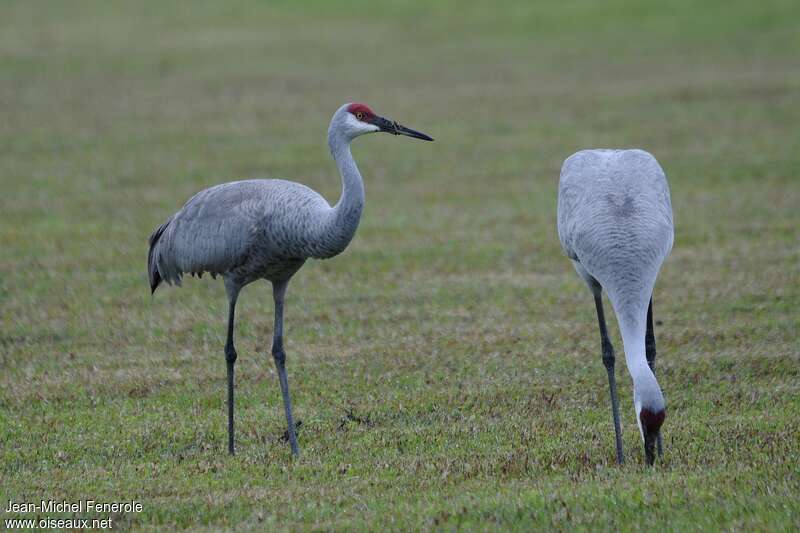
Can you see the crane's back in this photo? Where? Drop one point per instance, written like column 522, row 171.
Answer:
column 615, row 215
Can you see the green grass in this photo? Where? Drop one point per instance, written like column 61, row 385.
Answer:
column 446, row 367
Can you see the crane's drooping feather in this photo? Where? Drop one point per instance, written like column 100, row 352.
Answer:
column 615, row 223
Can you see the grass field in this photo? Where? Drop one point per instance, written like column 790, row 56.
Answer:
column 446, row 367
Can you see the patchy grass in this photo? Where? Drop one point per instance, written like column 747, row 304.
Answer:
column 446, row 368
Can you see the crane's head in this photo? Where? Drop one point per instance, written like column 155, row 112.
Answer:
column 352, row 120
column 650, row 411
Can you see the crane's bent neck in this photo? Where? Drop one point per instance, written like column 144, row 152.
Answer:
column 342, row 221
column 632, row 329
column 646, row 391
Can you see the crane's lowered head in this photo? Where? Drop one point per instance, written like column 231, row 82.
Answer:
column 650, row 411
column 352, row 120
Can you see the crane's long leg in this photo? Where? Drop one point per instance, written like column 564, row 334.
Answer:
column 650, row 351
column 608, row 361
column 278, row 292
column 230, row 359
column 650, row 338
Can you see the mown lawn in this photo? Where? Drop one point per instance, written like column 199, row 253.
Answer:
column 446, row 367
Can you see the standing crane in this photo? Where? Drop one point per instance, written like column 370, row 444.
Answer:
column 266, row 229
column 615, row 223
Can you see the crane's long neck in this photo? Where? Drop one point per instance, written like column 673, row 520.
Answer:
column 342, row 221
column 632, row 317
column 632, row 327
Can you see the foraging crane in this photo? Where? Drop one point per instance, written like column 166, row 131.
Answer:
column 615, row 223
column 266, row 229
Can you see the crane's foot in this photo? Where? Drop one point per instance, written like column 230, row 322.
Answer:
column 286, row 437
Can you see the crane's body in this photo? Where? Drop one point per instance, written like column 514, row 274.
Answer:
column 615, row 223
column 266, row 229
column 249, row 230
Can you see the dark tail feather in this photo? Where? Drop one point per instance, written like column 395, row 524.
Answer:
column 152, row 260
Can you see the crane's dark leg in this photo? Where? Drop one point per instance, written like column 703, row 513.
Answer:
column 650, row 351
column 608, row 361
column 278, row 292
column 650, row 338
column 230, row 359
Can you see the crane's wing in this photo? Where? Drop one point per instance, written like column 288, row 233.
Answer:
column 571, row 190
column 211, row 233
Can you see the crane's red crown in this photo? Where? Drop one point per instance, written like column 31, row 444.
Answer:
column 361, row 111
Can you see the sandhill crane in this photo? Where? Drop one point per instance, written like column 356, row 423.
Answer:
column 615, row 223
column 266, row 229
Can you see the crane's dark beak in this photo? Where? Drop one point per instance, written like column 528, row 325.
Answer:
column 650, row 438
column 390, row 126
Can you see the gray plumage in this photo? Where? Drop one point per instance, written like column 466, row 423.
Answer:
column 266, row 229
column 615, row 223
column 249, row 230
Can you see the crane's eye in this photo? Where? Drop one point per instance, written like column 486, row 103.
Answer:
column 359, row 115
